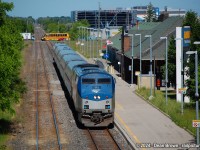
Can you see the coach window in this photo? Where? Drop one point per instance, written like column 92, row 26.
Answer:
column 104, row 81
column 88, row 81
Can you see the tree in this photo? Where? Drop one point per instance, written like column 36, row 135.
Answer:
column 191, row 19
column 23, row 24
column 4, row 7
column 171, row 62
column 10, row 61
column 58, row 24
column 74, row 32
column 151, row 15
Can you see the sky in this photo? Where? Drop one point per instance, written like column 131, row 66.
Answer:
column 57, row 8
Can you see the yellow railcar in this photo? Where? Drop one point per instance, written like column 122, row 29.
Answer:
column 55, row 37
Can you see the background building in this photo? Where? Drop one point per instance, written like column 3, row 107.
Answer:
column 105, row 18
column 142, row 12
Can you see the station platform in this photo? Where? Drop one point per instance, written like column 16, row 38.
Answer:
column 142, row 124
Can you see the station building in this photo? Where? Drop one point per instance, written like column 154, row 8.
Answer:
column 112, row 20
column 167, row 28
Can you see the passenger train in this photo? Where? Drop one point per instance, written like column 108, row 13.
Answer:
column 91, row 88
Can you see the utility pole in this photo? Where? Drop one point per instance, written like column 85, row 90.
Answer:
column 98, row 30
column 122, row 55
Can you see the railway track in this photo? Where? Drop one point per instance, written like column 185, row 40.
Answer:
column 47, row 133
column 102, row 139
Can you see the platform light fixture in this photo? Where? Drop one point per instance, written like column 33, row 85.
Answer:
column 166, row 70
column 150, row 39
column 196, row 86
column 140, row 58
column 132, row 60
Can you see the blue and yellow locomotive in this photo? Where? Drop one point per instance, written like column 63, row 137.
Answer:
column 91, row 88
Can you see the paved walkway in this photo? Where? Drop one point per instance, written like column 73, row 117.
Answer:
column 144, row 124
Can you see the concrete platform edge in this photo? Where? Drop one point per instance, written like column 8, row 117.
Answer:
column 125, row 135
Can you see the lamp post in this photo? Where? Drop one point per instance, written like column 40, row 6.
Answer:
column 93, row 37
column 150, row 39
column 166, row 70
column 106, row 44
column 81, row 39
column 85, row 35
column 95, row 32
column 140, row 58
column 90, row 41
column 132, row 41
column 101, row 39
column 119, row 68
column 79, row 35
column 196, row 86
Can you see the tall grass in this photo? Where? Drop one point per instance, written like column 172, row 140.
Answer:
column 5, row 121
column 172, row 108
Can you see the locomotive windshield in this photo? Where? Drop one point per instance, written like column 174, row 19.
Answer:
column 88, row 81
column 104, row 81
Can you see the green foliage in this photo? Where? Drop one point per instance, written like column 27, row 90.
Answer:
column 5, row 122
column 192, row 20
column 171, row 61
column 10, row 63
column 75, row 32
column 52, row 28
column 55, row 24
column 151, row 15
column 4, row 7
column 172, row 109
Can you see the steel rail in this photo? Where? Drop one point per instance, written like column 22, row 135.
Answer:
column 36, row 97
column 93, row 139
column 51, row 102
column 113, row 139
column 108, row 135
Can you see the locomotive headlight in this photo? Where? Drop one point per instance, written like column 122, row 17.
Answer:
column 98, row 97
column 95, row 97
column 107, row 102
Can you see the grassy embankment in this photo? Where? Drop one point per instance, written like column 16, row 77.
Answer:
column 173, row 108
column 6, row 118
column 5, row 121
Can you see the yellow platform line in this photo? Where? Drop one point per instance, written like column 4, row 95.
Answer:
column 118, row 106
column 128, row 129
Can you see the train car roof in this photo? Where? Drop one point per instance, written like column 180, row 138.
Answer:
column 88, row 68
column 72, row 57
column 62, row 47
column 59, row 45
column 58, row 50
column 66, row 52
column 72, row 64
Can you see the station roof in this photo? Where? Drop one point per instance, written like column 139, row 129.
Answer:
column 156, row 30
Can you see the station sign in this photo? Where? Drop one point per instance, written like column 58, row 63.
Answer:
column 196, row 123
column 186, row 33
column 106, row 55
column 182, row 90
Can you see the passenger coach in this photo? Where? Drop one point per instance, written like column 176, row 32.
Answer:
column 91, row 88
